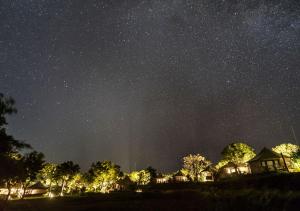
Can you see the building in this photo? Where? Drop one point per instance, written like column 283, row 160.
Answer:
column 268, row 161
column 232, row 169
column 36, row 189
column 33, row 190
column 160, row 180
column 208, row 174
column 179, row 177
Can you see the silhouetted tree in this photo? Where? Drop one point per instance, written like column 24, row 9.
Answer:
column 152, row 172
column 32, row 163
column 10, row 157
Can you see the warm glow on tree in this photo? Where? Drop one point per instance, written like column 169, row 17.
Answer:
column 236, row 153
column 140, row 177
column 290, row 150
column 193, row 165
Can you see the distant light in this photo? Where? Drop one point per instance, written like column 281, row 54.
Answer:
column 139, row 191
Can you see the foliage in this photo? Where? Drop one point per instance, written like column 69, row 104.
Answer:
column 6, row 107
column 77, row 183
column 10, row 157
column 236, row 153
column 221, row 163
column 184, row 172
column 65, row 172
column 32, row 163
column 289, row 150
column 194, row 165
column 103, row 176
column 126, row 183
column 47, row 175
column 9, row 147
column 142, row 177
column 152, row 172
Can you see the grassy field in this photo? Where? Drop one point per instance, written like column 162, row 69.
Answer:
column 169, row 200
column 271, row 192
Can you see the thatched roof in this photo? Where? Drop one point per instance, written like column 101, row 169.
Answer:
column 210, row 168
column 37, row 185
column 234, row 165
column 179, row 173
column 266, row 154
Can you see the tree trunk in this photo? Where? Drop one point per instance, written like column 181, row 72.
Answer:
column 50, row 187
column 9, row 191
column 24, row 191
column 62, row 188
column 3, row 206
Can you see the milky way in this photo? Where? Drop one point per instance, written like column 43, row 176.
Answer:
column 146, row 82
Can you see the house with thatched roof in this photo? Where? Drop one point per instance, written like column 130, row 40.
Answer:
column 208, row 174
column 36, row 189
column 268, row 161
column 180, row 177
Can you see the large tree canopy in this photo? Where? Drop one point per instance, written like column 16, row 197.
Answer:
column 65, row 172
column 290, row 150
column 236, row 153
column 287, row 149
column 31, row 164
column 194, row 165
column 141, row 177
column 10, row 155
column 103, row 176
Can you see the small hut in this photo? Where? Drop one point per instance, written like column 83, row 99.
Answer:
column 161, row 179
column 180, row 177
column 268, row 161
column 208, row 174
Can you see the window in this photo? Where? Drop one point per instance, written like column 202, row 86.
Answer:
column 270, row 162
column 263, row 163
column 209, row 178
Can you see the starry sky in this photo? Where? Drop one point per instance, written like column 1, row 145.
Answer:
column 147, row 82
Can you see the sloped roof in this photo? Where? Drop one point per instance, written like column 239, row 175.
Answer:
column 231, row 164
column 178, row 173
column 37, row 185
column 210, row 168
column 265, row 154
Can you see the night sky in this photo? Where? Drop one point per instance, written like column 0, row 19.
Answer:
column 147, row 82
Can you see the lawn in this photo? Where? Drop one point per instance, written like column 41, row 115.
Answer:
column 169, row 200
column 265, row 192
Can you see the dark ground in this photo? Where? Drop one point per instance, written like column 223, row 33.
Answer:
column 266, row 192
